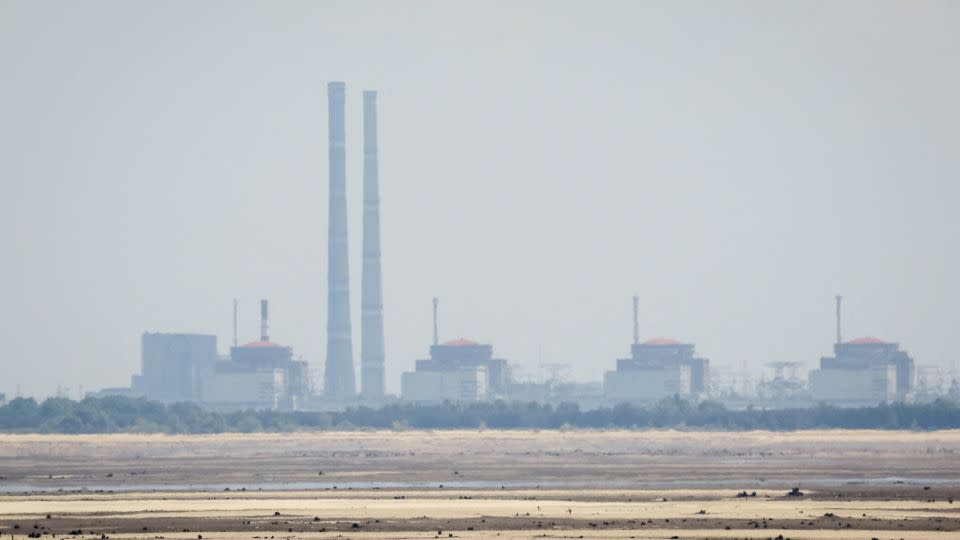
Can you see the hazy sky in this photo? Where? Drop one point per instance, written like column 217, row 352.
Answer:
column 736, row 164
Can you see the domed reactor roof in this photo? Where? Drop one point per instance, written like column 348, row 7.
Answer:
column 662, row 341
column 260, row 345
column 460, row 342
column 867, row 341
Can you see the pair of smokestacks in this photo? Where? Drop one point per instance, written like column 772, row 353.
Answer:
column 339, row 383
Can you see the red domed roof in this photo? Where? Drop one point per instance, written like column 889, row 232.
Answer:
column 662, row 341
column 866, row 341
column 258, row 344
column 460, row 342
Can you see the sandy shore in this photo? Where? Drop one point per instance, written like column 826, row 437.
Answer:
column 523, row 484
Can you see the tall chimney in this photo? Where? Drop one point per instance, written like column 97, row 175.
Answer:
column 339, row 381
column 636, row 319
column 839, row 339
column 236, row 322
column 436, row 334
column 264, row 334
column 372, row 355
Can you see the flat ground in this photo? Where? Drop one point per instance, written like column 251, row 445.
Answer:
column 478, row 484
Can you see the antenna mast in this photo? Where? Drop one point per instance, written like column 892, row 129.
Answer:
column 436, row 335
column 236, row 322
column 839, row 300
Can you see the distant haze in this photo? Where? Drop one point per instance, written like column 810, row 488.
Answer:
column 736, row 164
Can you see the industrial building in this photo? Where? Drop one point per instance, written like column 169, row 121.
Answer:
column 261, row 374
column 231, row 387
column 656, row 369
column 172, row 365
column 468, row 383
column 186, row 367
column 863, row 371
column 457, row 370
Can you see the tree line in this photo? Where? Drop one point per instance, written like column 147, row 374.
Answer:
column 117, row 414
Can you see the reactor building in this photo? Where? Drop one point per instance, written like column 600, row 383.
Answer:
column 457, row 370
column 261, row 374
column 863, row 372
column 657, row 368
column 186, row 367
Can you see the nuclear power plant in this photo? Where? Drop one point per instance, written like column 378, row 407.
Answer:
column 186, row 367
column 264, row 374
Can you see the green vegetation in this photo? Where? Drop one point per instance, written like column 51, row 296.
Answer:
column 128, row 415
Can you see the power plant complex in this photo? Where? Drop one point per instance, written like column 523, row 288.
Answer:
column 263, row 374
column 657, row 368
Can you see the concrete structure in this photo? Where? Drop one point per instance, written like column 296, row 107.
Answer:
column 186, row 367
column 460, row 353
column 854, row 387
column 466, row 383
column 232, row 387
column 260, row 374
column 460, row 364
column 656, row 369
column 260, row 361
column 647, row 384
column 864, row 371
column 372, row 354
column 339, row 383
column 172, row 365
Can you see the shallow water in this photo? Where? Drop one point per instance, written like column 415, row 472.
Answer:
column 732, row 483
